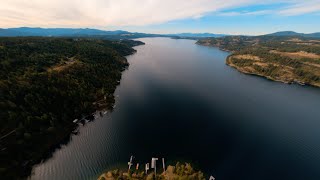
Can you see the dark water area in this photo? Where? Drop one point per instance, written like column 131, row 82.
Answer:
column 179, row 100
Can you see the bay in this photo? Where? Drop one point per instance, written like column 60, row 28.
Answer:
column 180, row 101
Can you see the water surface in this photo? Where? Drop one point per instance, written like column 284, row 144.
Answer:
column 180, row 101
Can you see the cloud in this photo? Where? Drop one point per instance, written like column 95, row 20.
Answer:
column 245, row 13
column 291, row 8
column 301, row 8
column 103, row 13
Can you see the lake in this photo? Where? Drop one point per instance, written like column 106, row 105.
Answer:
column 180, row 101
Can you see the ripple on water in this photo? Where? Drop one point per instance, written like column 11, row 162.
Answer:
column 181, row 101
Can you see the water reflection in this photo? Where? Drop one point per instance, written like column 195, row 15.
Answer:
column 180, row 101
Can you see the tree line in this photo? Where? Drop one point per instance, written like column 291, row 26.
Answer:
column 46, row 83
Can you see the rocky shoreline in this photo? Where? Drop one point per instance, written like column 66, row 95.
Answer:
column 285, row 67
column 256, row 73
column 178, row 171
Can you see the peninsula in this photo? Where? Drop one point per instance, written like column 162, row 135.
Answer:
column 288, row 59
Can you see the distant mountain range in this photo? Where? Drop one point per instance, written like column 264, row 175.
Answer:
column 292, row 33
column 118, row 34
column 63, row 32
column 26, row 31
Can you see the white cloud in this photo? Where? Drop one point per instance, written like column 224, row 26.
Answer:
column 105, row 12
column 293, row 8
column 301, row 8
column 246, row 13
column 102, row 13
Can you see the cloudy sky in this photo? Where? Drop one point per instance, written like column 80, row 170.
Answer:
column 166, row 16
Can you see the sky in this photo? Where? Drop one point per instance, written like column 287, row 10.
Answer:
column 246, row 17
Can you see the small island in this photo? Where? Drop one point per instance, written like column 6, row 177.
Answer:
column 285, row 59
column 178, row 171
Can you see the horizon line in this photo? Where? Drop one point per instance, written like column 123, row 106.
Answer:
column 184, row 32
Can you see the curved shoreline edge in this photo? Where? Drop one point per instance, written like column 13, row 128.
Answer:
column 242, row 70
column 254, row 72
column 40, row 139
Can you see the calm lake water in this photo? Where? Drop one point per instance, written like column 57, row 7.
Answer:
column 179, row 100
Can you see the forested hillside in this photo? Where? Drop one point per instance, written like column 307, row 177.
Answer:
column 45, row 84
column 285, row 59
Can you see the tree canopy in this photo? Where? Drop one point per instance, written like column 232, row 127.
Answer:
column 45, row 84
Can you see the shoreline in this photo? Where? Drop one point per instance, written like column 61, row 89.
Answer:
column 177, row 171
column 209, row 45
column 64, row 137
column 228, row 63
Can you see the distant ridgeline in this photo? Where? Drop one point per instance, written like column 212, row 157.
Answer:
column 94, row 33
column 287, row 57
column 45, row 84
column 178, row 171
column 72, row 32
